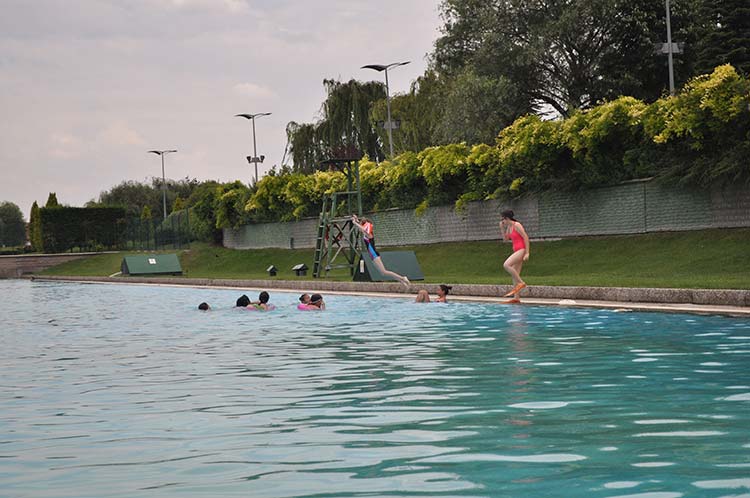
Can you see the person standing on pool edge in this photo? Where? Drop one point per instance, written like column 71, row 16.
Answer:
column 514, row 231
column 368, row 236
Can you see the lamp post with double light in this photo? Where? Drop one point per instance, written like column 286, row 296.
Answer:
column 389, row 124
column 255, row 159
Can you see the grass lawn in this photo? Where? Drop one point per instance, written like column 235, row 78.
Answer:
column 712, row 259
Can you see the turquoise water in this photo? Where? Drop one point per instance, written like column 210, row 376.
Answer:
column 129, row 391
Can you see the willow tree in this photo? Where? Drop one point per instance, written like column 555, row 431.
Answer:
column 345, row 122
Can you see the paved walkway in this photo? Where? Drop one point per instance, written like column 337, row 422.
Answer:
column 704, row 301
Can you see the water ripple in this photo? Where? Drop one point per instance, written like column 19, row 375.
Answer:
column 112, row 391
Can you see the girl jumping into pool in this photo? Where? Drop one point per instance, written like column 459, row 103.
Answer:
column 368, row 237
column 514, row 231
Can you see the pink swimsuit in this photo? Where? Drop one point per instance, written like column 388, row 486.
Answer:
column 517, row 238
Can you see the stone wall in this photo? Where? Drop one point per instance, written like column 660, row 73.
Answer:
column 632, row 207
column 18, row 265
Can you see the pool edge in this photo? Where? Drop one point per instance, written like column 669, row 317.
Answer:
column 701, row 301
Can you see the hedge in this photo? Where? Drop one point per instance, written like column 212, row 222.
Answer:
column 94, row 228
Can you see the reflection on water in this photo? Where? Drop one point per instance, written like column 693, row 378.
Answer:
column 121, row 391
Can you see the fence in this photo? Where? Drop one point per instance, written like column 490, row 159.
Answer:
column 158, row 234
column 633, row 207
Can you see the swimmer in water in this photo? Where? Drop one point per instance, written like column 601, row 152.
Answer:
column 424, row 297
column 316, row 301
column 262, row 302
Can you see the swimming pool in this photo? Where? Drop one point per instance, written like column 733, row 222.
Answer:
column 123, row 391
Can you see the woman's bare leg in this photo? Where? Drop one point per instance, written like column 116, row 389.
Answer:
column 423, row 296
column 513, row 266
column 379, row 263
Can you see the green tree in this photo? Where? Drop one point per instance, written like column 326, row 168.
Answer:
column 146, row 214
column 203, row 213
column 418, row 111
column 562, row 54
column 35, row 228
column 52, row 200
column 13, row 231
column 133, row 195
column 179, row 204
column 345, row 123
column 724, row 37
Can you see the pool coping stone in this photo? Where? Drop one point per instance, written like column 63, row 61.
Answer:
column 703, row 301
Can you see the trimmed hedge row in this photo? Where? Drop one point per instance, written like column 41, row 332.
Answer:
column 94, row 228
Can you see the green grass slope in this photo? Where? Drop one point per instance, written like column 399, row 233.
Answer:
column 701, row 259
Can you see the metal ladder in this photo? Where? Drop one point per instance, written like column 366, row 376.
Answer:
column 336, row 236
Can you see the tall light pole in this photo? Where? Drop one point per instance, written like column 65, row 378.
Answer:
column 162, row 153
column 389, row 124
column 255, row 159
column 669, row 51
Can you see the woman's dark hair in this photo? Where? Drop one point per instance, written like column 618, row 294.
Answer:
column 508, row 213
column 315, row 298
column 263, row 297
column 302, row 298
column 243, row 301
column 445, row 288
column 203, row 306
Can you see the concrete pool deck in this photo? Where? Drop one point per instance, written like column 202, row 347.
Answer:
column 703, row 301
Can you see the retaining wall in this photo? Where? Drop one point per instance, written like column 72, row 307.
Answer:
column 17, row 265
column 629, row 208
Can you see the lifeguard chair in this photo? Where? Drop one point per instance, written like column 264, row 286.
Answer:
column 337, row 241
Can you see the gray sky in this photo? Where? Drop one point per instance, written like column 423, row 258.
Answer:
column 87, row 86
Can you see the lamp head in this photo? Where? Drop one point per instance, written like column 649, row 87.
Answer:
column 252, row 116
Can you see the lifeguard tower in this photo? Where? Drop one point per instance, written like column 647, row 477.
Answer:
column 337, row 241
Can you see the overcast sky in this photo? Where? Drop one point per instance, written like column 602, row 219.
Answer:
column 88, row 86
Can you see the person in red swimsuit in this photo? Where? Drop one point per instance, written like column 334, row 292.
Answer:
column 513, row 230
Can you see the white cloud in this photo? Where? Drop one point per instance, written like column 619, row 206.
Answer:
column 119, row 133
column 253, row 91
column 93, row 85
column 65, row 145
column 233, row 6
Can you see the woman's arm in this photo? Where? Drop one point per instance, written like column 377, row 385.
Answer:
column 526, row 241
column 355, row 222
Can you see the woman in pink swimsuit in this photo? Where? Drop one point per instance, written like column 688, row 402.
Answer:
column 514, row 231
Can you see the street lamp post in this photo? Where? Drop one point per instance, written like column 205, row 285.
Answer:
column 255, row 159
column 670, row 60
column 162, row 153
column 389, row 124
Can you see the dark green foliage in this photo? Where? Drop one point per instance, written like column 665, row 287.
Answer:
column 724, row 37
column 134, row 196
column 419, row 112
column 93, row 228
column 52, row 200
column 12, row 226
column 564, row 55
column 203, row 214
column 35, row 228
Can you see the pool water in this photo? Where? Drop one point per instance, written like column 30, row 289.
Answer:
column 127, row 391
